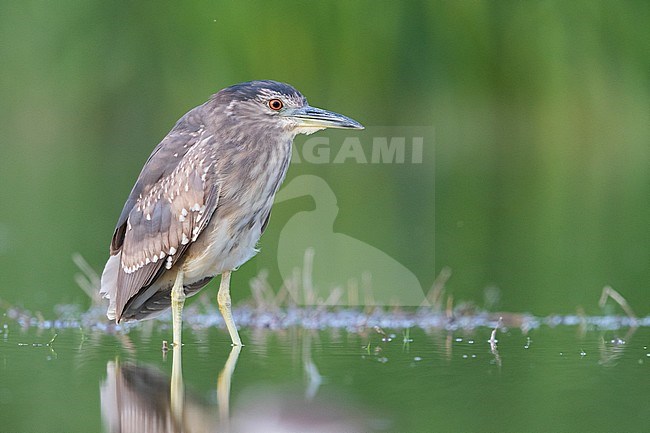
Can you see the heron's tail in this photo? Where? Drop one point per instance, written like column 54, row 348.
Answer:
column 109, row 283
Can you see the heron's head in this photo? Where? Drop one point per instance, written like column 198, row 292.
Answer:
column 270, row 105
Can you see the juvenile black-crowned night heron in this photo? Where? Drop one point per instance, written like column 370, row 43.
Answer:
column 204, row 198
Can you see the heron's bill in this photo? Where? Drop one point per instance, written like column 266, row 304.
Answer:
column 317, row 118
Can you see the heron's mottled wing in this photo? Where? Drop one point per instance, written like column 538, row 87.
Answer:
column 172, row 202
column 162, row 162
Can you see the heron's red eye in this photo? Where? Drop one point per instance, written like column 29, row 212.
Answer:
column 275, row 104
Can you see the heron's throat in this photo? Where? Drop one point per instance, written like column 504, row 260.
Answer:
column 307, row 130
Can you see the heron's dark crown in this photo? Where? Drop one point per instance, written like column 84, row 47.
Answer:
column 261, row 89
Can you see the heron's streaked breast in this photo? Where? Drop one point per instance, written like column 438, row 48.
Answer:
column 244, row 206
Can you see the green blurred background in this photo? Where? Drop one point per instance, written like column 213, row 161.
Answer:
column 536, row 182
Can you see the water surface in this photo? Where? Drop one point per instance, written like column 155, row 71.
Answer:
column 564, row 378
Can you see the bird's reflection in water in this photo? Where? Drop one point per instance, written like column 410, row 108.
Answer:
column 142, row 399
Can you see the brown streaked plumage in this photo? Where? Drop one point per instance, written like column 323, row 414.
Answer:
column 203, row 199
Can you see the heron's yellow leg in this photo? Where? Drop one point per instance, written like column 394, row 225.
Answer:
column 223, row 298
column 178, row 300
